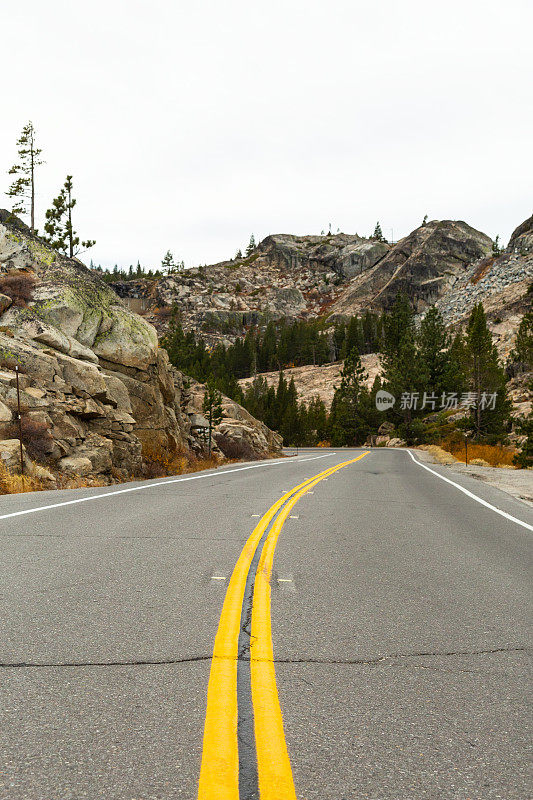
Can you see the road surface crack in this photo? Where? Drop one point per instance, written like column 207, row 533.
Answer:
column 192, row 659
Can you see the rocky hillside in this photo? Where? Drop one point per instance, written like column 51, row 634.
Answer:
column 97, row 390
column 314, row 381
column 285, row 277
column 424, row 265
column 304, row 277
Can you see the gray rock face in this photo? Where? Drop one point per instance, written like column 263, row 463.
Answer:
column 91, row 371
column 502, row 285
column 521, row 240
column 343, row 253
column 291, row 277
column 424, row 265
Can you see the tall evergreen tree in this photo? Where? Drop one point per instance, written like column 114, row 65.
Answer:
column 350, row 415
column 434, row 353
column 22, row 190
column 523, row 346
column 486, row 378
column 59, row 228
column 402, row 372
column 212, row 408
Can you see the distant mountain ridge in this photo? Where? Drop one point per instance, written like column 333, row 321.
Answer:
column 336, row 276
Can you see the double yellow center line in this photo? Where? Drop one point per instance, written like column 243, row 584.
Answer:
column 219, row 773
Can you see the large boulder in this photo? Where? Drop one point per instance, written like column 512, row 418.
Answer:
column 521, row 240
column 95, row 386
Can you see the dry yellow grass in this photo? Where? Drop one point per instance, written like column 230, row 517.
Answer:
column 160, row 463
column 17, row 484
column 494, row 455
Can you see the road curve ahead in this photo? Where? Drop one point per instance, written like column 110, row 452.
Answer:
column 335, row 624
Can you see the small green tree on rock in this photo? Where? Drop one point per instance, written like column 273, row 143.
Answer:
column 378, row 233
column 251, row 246
column 168, row 265
column 59, row 229
column 22, row 190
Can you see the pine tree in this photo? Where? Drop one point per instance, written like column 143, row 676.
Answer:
column 402, row 372
column 59, row 229
column 289, row 424
column 251, row 246
column 523, row 347
column 22, row 190
column 354, row 336
column 434, row 353
column 316, row 421
column 378, row 233
column 349, row 420
column 168, row 265
column 485, row 377
column 524, row 458
column 238, row 254
column 212, row 407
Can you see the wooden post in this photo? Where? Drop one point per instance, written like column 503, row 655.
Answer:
column 20, row 422
column 466, row 449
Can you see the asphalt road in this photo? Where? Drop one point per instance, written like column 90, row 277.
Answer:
column 400, row 622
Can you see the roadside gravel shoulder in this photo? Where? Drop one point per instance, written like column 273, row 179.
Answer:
column 516, row 482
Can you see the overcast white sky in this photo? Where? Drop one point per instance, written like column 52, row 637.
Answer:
column 188, row 125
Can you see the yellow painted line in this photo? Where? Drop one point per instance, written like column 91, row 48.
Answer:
column 219, row 771
column 274, row 767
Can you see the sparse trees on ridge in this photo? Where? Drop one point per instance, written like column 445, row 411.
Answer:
column 22, row 190
column 251, row 246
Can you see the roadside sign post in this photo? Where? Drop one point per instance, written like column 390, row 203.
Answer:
column 20, row 422
column 467, row 434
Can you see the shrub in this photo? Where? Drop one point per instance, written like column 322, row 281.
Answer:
column 18, row 286
column 239, row 450
column 36, row 437
column 159, row 463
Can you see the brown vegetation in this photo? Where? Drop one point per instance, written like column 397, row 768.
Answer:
column 483, row 267
column 36, row 437
column 494, row 455
column 235, row 450
column 159, row 463
column 17, row 484
column 18, row 286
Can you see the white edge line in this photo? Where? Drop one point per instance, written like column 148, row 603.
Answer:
column 473, row 496
column 159, row 483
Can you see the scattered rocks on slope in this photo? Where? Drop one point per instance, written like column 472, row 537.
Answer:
column 501, row 284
